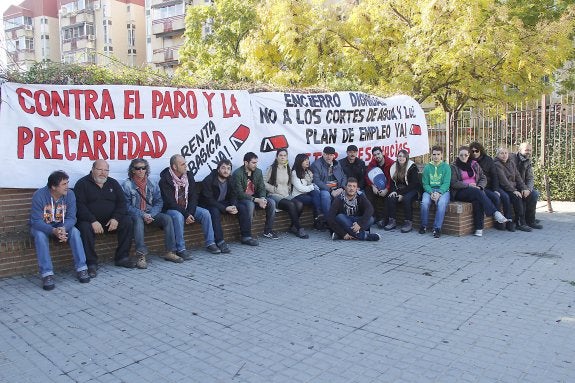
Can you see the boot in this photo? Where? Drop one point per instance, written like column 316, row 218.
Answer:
column 510, row 226
column 407, row 226
column 391, row 225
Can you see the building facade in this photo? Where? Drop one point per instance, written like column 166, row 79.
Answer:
column 102, row 32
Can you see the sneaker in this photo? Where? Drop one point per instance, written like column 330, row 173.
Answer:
column 224, row 248
column 186, row 255
column 302, row 234
column 125, row 262
column 93, row 271
column 380, row 224
column 83, row 276
column 250, row 242
column 271, row 234
column 173, row 257
column 535, row 225
column 48, row 283
column 213, row 249
column 510, row 226
column 501, row 226
column 436, row 232
column 478, row 233
column 422, row 230
column 407, row 226
column 372, row 237
column 391, row 225
column 524, row 228
column 141, row 262
column 335, row 237
column 499, row 217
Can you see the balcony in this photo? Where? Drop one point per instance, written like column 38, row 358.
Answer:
column 21, row 55
column 166, row 56
column 20, row 31
column 78, row 43
column 77, row 18
column 163, row 3
column 169, row 26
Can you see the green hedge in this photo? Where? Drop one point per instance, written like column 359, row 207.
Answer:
column 561, row 180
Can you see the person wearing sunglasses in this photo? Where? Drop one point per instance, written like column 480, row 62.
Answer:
column 493, row 189
column 467, row 185
column 145, row 208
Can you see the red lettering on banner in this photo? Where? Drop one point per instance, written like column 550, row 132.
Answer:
column 69, row 135
column 132, row 97
column 25, row 136
column 54, row 103
column 233, row 111
column 209, row 97
column 55, row 144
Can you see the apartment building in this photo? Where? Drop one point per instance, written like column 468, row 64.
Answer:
column 31, row 33
column 101, row 32
column 166, row 25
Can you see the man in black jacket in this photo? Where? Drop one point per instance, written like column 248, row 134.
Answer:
column 218, row 197
column 180, row 196
column 101, row 208
column 351, row 215
column 354, row 167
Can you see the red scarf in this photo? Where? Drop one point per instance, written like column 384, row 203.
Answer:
column 141, row 185
column 181, row 186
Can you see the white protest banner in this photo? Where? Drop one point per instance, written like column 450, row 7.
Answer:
column 305, row 123
column 50, row 127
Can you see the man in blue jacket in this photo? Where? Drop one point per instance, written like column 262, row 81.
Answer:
column 53, row 215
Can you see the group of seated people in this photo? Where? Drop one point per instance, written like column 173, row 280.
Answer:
column 346, row 196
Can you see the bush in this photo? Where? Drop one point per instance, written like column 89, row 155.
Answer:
column 561, row 180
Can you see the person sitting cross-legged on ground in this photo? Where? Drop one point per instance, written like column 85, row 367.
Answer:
column 351, row 215
column 435, row 180
column 219, row 197
column 304, row 190
column 102, row 209
column 145, row 204
column 512, row 184
column 279, row 187
column 250, row 189
column 180, row 195
column 53, row 215
column 405, row 186
column 467, row 184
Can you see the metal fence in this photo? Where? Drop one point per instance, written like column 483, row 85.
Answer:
column 548, row 126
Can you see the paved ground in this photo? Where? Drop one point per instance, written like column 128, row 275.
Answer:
column 407, row 309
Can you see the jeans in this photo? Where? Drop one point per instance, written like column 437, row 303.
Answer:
column 482, row 205
column 441, row 207
column 246, row 211
column 313, row 199
column 500, row 200
column 125, row 233
column 202, row 216
column 345, row 221
column 162, row 221
column 517, row 207
column 408, row 198
column 530, row 206
column 325, row 200
column 42, row 244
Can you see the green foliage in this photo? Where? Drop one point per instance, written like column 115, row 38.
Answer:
column 561, row 180
column 48, row 72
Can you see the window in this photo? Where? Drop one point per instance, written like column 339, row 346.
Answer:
column 131, row 35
